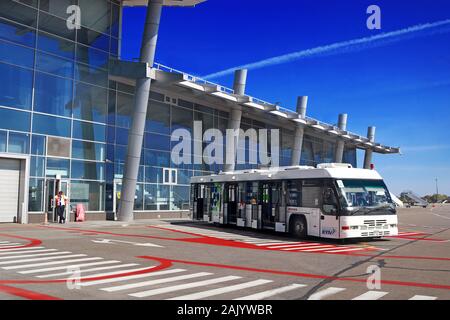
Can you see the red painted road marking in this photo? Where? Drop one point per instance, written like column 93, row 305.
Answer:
column 242, row 245
column 27, row 294
column 33, row 242
column 297, row 274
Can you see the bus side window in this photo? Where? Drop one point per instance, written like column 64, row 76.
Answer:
column 294, row 196
column 329, row 201
column 312, row 194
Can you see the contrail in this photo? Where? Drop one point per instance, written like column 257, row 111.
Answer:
column 346, row 46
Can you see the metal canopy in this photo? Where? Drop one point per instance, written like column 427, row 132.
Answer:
column 165, row 76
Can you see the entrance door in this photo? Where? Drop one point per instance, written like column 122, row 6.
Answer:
column 232, row 193
column 53, row 186
column 270, row 203
column 198, row 194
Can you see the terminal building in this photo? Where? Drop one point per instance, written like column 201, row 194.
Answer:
column 65, row 111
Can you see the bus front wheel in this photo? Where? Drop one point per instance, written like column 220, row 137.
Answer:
column 298, row 227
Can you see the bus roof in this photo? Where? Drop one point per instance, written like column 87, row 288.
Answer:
column 296, row 172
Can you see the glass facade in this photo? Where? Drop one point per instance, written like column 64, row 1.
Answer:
column 58, row 105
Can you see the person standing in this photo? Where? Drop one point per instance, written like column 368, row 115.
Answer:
column 61, row 201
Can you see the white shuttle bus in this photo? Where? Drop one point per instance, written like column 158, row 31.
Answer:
column 331, row 201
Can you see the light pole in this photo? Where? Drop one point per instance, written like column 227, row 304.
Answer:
column 437, row 189
column 142, row 94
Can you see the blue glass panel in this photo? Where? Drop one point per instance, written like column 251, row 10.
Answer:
column 37, row 166
column 153, row 174
column 157, row 141
column 122, row 136
column 55, row 25
column 88, row 150
column 158, row 118
column 35, row 197
column 124, row 107
column 184, row 176
column 55, row 45
column 17, row 33
column 14, row 120
column 91, row 103
column 54, row 65
column 13, row 10
column 91, row 75
column 16, row 87
column 93, row 38
column 16, row 54
column 93, row 57
column 18, row 142
column 57, row 167
column 53, row 95
column 156, row 158
column 89, row 131
column 38, row 145
column 2, row 141
column 51, row 125
column 87, row 170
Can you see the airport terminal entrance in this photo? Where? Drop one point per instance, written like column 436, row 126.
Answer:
column 52, row 187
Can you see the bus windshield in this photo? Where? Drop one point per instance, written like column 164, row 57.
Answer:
column 365, row 196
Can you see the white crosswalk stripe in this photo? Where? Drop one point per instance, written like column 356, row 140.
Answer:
column 35, row 255
column 83, row 271
column 325, row 293
column 42, row 259
column 12, row 253
column 20, row 249
column 65, row 267
column 419, row 297
column 49, row 263
column 218, row 291
column 371, row 295
column 7, row 245
column 190, row 285
column 158, row 281
column 271, row 293
column 124, row 278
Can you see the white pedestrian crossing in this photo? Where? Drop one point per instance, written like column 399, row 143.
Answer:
column 272, row 292
column 420, row 297
column 65, row 267
column 190, row 285
column 319, row 295
column 41, row 259
column 218, row 291
column 83, row 271
column 371, row 295
column 270, row 244
column 49, row 263
column 158, row 281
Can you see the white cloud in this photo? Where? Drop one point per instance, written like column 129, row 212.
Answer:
column 346, row 46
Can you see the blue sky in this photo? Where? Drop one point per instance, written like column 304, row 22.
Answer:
column 401, row 87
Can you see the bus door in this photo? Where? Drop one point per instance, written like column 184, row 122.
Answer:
column 270, row 203
column 198, row 201
column 206, row 203
column 231, row 203
column 329, row 216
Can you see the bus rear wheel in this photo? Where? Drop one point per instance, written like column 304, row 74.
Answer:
column 298, row 227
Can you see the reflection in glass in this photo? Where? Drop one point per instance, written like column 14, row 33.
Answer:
column 156, row 197
column 55, row 45
column 3, row 135
column 16, row 87
column 158, row 118
column 90, row 103
column 35, row 195
column 57, row 167
column 17, row 33
column 14, row 120
column 38, row 145
column 54, row 65
column 51, row 125
column 89, row 131
column 89, row 194
column 88, row 150
column 87, row 170
column 59, row 102
column 37, row 166
column 18, row 142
